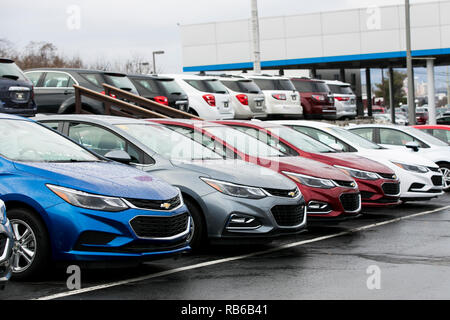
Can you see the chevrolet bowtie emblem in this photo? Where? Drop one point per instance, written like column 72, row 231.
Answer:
column 291, row 194
column 166, row 205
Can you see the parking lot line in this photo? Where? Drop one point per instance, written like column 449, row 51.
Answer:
column 240, row 257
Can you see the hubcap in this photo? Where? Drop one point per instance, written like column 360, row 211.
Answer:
column 25, row 246
column 446, row 173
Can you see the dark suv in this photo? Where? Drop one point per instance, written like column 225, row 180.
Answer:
column 54, row 92
column 161, row 89
column 16, row 91
column 317, row 101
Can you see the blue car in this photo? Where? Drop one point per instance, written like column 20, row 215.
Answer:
column 6, row 246
column 66, row 203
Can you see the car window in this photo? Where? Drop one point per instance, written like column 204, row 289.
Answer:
column 34, row 77
column 261, row 135
column 396, row 138
column 324, row 137
column 274, row 84
column 366, row 133
column 443, row 135
column 310, row 86
column 101, row 140
column 52, row 125
column 170, row 86
column 56, row 80
column 230, row 84
column 9, row 69
column 93, row 78
column 147, row 84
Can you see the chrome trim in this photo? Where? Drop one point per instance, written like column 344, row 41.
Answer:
column 132, row 206
column 241, row 228
column 305, row 214
column 360, row 204
column 319, row 212
column 55, row 71
column 22, row 89
column 186, row 232
column 392, row 195
column 299, row 194
column 6, row 251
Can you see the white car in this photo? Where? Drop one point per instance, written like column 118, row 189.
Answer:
column 208, row 97
column 420, row 178
column 282, row 99
column 247, row 98
column 417, row 142
column 344, row 99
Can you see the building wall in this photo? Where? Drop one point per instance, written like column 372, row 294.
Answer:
column 317, row 37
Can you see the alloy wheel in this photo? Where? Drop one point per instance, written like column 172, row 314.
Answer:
column 24, row 250
column 446, row 177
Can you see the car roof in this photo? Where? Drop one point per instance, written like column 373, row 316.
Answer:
column 13, row 117
column 256, row 123
column 76, row 70
column 306, row 79
column 307, row 123
column 263, row 76
column 188, row 76
column 149, row 76
column 388, row 125
column 99, row 119
column 337, row 82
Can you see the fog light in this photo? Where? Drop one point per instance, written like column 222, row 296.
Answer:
column 240, row 221
column 317, row 207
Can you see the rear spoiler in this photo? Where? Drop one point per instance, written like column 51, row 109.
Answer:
column 4, row 60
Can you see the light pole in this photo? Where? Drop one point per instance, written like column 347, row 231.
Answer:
column 154, row 59
column 409, row 65
column 255, row 35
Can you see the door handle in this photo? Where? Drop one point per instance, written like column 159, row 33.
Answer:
column 66, row 92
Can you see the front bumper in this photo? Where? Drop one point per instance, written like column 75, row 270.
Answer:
column 89, row 235
column 6, row 250
column 379, row 193
column 219, row 208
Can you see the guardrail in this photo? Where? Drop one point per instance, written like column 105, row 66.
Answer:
column 145, row 108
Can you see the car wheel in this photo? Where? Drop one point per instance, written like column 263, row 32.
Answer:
column 31, row 251
column 445, row 170
column 197, row 239
column 193, row 112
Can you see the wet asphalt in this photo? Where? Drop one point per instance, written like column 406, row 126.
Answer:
column 411, row 259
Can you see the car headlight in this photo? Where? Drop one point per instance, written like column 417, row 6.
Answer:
column 359, row 174
column 3, row 217
column 235, row 190
column 419, row 169
column 311, row 181
column 87, row 200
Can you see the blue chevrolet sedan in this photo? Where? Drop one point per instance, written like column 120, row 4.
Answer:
column 66, row 203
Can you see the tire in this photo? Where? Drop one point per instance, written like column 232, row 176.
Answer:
column 193, row 112
column 445, row 170
column 23, row 220
column 198, row 239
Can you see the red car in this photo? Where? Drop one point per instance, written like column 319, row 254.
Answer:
column 317, row 102
column 377, row 183
column 331, row 195
column 441, row 132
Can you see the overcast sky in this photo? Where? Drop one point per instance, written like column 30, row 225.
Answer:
column 116, row 29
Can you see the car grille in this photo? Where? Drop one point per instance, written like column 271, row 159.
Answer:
column 367, row 194
column 160, row 227
column 283, row 193
column 391, row 188
column 288, row 216
column 437, row 180
column 347, row 184
column 3, row 241
column 351, row 201
column 156, row 204
column 390, row 176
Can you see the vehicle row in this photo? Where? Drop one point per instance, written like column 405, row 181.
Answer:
column 211, row 97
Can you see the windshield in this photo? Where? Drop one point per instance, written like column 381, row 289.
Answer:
column 30, row 142
column 120, row 82
column 244, row 143
column 11, row 70
column 168, row 143
column 426, row 137
column 300, row 140
column 354, row 138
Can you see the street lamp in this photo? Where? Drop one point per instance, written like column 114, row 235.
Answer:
column 154, row 59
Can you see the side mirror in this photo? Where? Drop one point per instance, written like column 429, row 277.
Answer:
column 337, row 147
column 119, row 156
column 413, row 145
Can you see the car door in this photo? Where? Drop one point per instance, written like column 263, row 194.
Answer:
column 396, row 139
column 53, row 90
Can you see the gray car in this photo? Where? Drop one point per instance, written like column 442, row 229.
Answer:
column 229, row 200
column 6, row 247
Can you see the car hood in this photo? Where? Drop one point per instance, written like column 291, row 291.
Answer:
column 239, row 172
column 352, row 161
column 305, row 166
column 398, row 156
column 104, row 178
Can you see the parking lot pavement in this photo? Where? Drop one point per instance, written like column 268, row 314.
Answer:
column 407, row 246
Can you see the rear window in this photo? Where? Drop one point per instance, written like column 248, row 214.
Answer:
column 93, row 78
column 242, row 86
column 120, row 82
column 310, row 86
column 10, row 70
column 147, row 84
column 170, row 86
column 210, row 86
column 337, row 89
column 275, row 84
